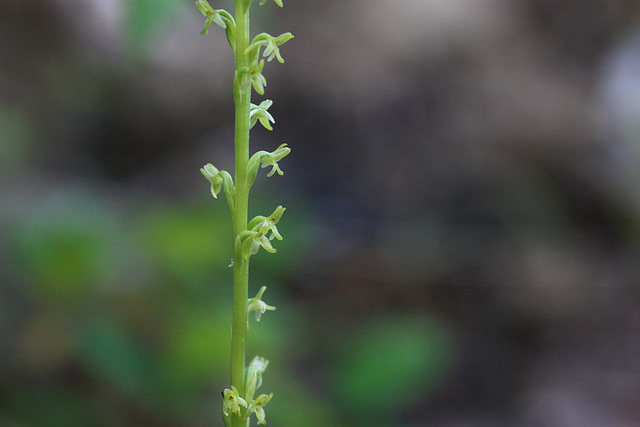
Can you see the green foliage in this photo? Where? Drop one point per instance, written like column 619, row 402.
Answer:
column 126, row 309
column 196, row 347
column 71, row 248
column 391, row 363
column 185, row 240
column 111, row 356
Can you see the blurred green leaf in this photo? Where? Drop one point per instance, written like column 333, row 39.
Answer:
column 294, row 405
column 188, row 242
column 391, row 363
column 61, row 247
column 194, row 354
column 196, row 347
column 53, row 406
column 112, row 356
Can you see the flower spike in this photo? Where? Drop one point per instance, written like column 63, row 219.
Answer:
column 238, row 406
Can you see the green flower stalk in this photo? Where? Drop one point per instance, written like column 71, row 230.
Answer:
column 238, row 402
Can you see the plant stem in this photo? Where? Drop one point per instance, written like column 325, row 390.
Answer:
column 240, row 212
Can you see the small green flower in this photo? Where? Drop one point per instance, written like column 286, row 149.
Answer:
column 217, row 178
column 252, row 76
column 265, row 159
column 272, row 159
column 278, row 2
column 263, row 224
column 231, row 401
column 213, row 176
column 271, row 45
column 259, row 112
column 256, row 304
column 254, row 375
column 250, row 240
column 219, row 17
column 258, row 405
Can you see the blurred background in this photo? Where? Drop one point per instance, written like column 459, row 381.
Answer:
column 462, row 233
